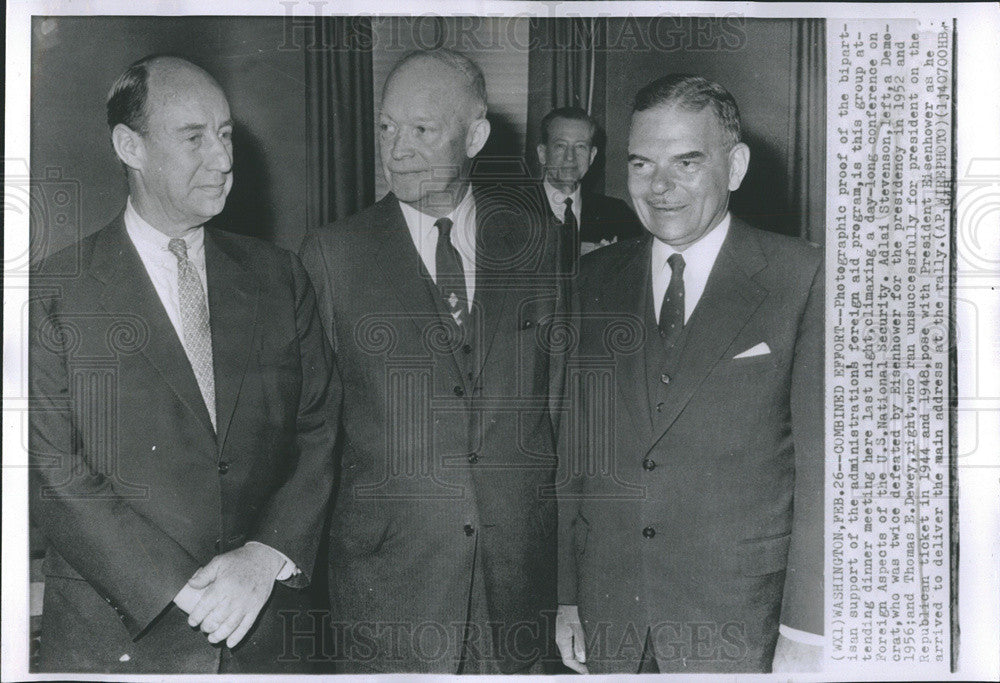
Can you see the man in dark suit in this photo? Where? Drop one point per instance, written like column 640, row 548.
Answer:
column 694, row 527
column 566, row 152
column 439, row 300
column 180, row 440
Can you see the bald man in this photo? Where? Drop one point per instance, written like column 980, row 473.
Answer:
column 181, row 386
column 439, row 301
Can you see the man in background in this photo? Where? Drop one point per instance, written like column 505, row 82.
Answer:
column 586, row 220
column 180, row 441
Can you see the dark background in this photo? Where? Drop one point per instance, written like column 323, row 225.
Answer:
column 76, row 59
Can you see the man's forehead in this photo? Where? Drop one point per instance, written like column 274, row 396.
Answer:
column 429, row 80
column 573, row 127
column 671, row 122
column 178, row 80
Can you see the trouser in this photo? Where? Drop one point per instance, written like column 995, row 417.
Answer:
column 647, row 664
column 479, row 651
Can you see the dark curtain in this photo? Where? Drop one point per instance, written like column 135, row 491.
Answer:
column 807, row 159
column 564, row 70
column 340, row 108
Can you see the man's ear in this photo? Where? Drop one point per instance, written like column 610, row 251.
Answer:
column 475, row 139
column 593, row 155
column 129, row 146
column 540, row 150
column 739, row 160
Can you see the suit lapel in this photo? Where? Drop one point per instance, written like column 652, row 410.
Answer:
column 398, row 259
column 233, row 294
column 128, row 288
column 623, row 302
column 495, row 243
column 588, row 214
column 730, row 298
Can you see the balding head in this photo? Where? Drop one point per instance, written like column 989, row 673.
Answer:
column 452, row 68
column 432, row 122
column 128, row 99
column 171, row 128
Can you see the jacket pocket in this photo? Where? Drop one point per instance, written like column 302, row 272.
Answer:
column 764, row 556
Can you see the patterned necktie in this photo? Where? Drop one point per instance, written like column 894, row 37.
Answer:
column 450, row 274
column 672, row 310
column 194, row 323
column 570, row 238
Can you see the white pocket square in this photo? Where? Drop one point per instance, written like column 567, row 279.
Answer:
column 759, row 350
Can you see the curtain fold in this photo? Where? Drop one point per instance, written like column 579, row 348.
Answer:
column 339, row 113
column 561, row 70
column 807, row 159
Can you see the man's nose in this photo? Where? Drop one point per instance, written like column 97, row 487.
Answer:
column 400, row 146
column 662, row 182
column 219, row 155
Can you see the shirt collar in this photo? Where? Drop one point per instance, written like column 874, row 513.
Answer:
column 463, row 219
column 557, row 197
column 700, row 254
column 150, row 240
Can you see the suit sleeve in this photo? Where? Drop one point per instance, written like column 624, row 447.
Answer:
column 313, row 260
column 569, row 472
column 292, row 521
column 802, row 605
column 131, row 563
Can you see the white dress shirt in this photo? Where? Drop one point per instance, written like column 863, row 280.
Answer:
column 162, row 266
column 698, row 261
column 424, row 234
column 557, row 201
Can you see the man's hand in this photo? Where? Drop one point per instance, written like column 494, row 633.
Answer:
column 234, row 587
column 569, row 638
column 792, row 656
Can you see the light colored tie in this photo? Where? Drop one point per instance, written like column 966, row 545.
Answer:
column 194, row 323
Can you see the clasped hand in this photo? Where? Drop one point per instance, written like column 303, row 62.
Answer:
column 225, row 596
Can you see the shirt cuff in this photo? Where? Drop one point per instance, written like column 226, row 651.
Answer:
column 804, row 637
column 288, row 569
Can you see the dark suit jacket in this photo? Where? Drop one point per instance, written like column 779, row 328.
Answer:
column 702, row 518
column 601, row 217
column 606, row 218
column 130, row 485
column 445, row 447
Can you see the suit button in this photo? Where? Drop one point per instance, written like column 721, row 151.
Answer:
column 648, row 464
column 459, row 391
column 665, row 378
column 223, row 467
column 218, row 545
column 473, row 459
column 469, row 530
column 649, row 532
column 526, row 324
column 466, row 348
column 659, row 407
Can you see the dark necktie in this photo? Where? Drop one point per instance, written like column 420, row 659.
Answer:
column 570, row 238
column 672, row 310
column 450, row 274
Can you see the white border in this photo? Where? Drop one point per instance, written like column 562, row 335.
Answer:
column 978, row 137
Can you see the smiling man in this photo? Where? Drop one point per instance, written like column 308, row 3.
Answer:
column 439, row 300
column 566, row 152
column 691, row 536
column 181, row 453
